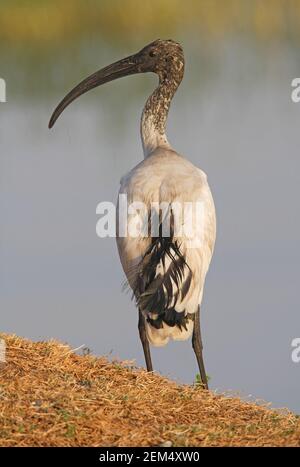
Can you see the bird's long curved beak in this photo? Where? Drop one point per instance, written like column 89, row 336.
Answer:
column 126, row 66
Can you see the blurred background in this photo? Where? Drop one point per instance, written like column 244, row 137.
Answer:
column 232, row 116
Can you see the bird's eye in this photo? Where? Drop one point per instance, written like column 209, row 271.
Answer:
column 152, row 53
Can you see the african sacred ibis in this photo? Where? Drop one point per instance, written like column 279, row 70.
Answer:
column 165, row 272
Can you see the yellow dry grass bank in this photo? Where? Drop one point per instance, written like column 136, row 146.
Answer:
column 50, row 396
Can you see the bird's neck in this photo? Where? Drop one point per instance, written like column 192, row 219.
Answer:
column 154, row 117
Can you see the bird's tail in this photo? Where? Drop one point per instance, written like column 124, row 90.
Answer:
column 163, row 279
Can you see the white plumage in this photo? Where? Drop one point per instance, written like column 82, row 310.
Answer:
column 165, row 176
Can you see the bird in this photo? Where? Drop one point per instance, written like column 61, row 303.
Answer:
column 165, row 268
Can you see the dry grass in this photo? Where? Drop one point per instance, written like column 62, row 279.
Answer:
column 50, row 396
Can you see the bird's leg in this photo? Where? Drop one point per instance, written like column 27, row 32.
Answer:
column 144, row 340
column 197, row 346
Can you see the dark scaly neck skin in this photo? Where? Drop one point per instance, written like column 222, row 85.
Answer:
column 155, row 113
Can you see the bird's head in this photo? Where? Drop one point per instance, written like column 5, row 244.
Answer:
column 163, row 57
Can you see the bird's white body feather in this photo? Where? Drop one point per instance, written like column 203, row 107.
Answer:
column 165, row 176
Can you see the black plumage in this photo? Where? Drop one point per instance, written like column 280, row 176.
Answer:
column 158, row 292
